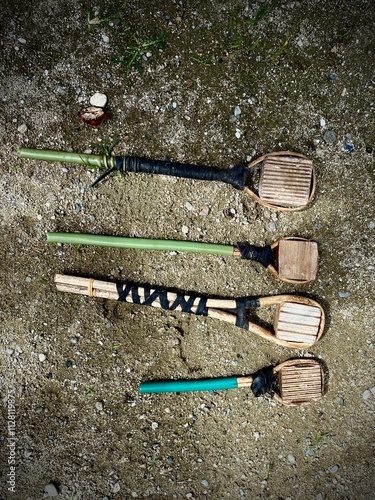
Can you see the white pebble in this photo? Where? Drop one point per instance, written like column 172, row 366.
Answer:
column 9, row 351
column 334, row 469
column 22, row 128
column 366, row 395
column 291, row 459
column 237, row 111
column 116, row 488
column 99, row 405
column 98, row 100
column 154, row 425
column 238, row 133
column 189, row 206
column 42, row 357
column 22, row 40
column 105, row 38
column 322, row 122
column 205, row 211
column 51, row 490
column 185, row 229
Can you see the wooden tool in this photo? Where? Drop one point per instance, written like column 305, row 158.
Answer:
column 295, row 382
column 293, row 260
column 298, row 322
column 287, row 180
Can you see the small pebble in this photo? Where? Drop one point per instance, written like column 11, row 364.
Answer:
column 116, row 488
column 272, row 226
column 105, row 38
column 291, row 459
column 237, row 111
column 372, row 390
column 22, row 128
column 349, row 147
column 42, row 357
column 322, row 122
column 332, row 77
column 98, row 100
column 319, row 496
column 148, row 54
column 9, row 351
column 310, row 453
column 204, row 482
column 77, row 208
column 185, row 229
column 22, row 40
column 154, row 425
column 329, row 136
column 344, row 295
column 238, row 133
column 334, row 469
column 99, row 405
column 371, row 225
column 92, row 218
column 189, row 206
column 174, row 105
column 51, row 490
column 205, row 211
column 366, row 395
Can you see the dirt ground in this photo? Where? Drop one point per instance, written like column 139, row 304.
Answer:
column 221, row 82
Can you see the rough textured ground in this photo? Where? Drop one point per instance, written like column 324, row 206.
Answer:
column 303, row 77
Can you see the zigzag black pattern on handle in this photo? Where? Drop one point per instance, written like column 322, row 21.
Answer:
column 125, row 290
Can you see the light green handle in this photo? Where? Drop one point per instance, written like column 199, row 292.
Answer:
column 214, row 384
column 140, row 243
column 97, row 161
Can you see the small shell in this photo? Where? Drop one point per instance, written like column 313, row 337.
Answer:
column 93, row 115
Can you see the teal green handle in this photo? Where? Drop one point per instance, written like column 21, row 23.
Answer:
column 90, row 160
column 214, row 384
column 139, row 243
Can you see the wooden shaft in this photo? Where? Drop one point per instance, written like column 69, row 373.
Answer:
column 244, row 382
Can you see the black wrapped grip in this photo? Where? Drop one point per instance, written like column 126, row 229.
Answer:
column 235, row 176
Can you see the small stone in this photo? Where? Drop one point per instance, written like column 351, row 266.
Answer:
column 22, row 40
column 189, row 206
column 185, row 229
column 372, row 390
column 77, row 208
column 109, row 324
column 237, row 111
column 9, row 351
column 174, row 105
column 204, row 482
column 322, row 122
column 371, row 225
column 51, row 490
column 154, row 425
column 349, row 147
column 238, row 134
column 332, row 77
column 334, row 469
column 319, row 496
column 98, row 100
column 105, row 38
column 366, row 395
column 291, row 459
column 42, row 357
column 205, row 211
column 148, row 54
column 22, row 128
column 344, row 295
column 310, row 453
column 116, row 488
column 329, row 136
column 92, row 218
column 341, row 401
column 134, row 494
column 272, row 226
column 99, row 405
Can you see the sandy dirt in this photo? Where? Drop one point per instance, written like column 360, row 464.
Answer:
column 221, row 83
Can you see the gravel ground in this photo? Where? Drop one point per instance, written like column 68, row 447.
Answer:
column 221, row 83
